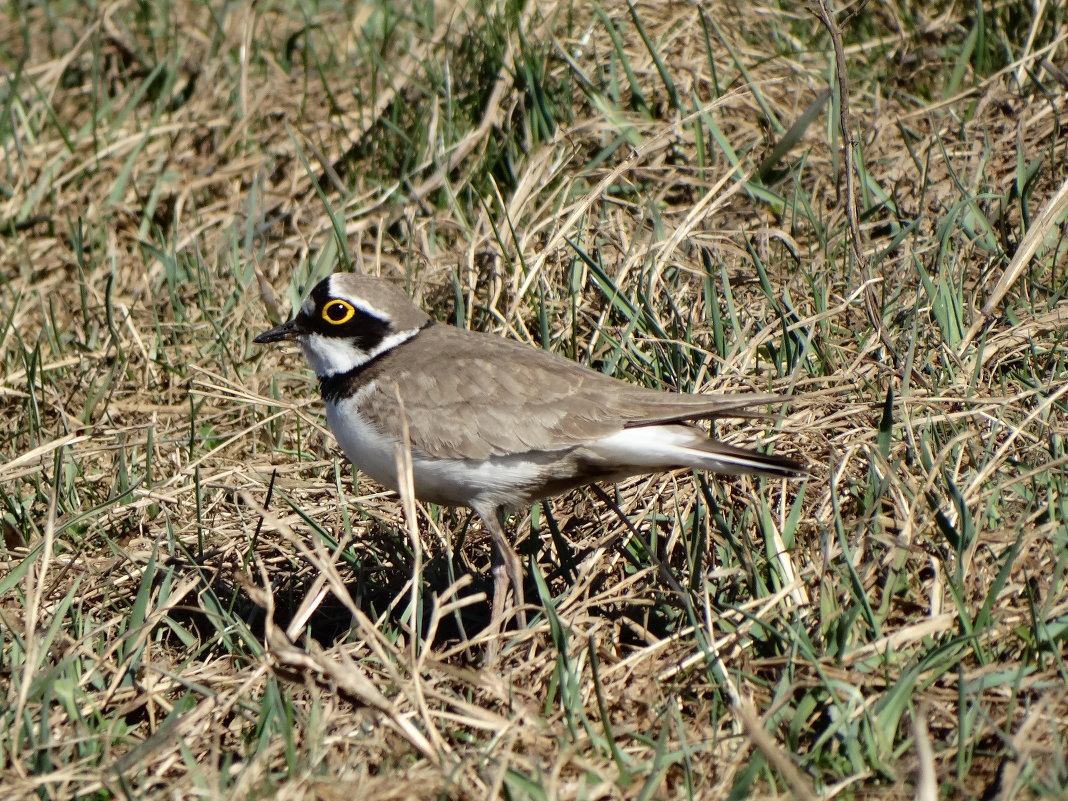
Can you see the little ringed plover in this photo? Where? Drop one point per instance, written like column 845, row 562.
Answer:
column 494, row 424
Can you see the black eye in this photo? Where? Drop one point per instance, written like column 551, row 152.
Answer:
column 338, row 312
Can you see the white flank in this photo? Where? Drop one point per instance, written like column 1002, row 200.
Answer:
column 666, row 447
column 447, row 481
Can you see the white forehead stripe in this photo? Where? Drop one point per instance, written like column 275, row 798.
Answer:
column 360, row 304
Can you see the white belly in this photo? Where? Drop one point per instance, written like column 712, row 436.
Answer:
column 505, row 480
column 366, row 448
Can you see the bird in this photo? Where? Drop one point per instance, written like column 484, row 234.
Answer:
column 494, row 424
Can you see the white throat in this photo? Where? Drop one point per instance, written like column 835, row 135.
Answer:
column 329, row 356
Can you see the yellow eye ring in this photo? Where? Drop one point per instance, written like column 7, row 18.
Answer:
column 338, row 312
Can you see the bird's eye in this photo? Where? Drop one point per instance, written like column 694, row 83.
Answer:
column 338, row 312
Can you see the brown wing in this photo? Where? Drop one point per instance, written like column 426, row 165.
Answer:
column 474, row 395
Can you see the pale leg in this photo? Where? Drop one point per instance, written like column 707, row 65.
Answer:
column 507, row 573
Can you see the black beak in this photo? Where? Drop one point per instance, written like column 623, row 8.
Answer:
column 280, row 333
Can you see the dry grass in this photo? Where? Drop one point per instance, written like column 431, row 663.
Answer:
column 199, row 598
